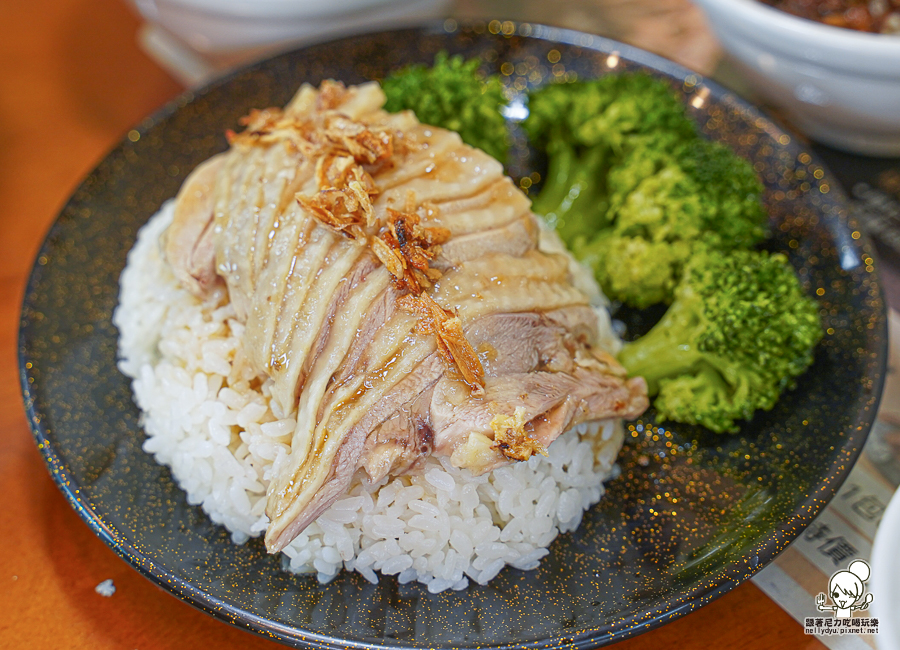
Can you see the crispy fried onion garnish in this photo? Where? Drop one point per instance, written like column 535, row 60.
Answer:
column 448, row 332
column 346, row 154
column 331, row 94
column 270, row 126
column 327, row 132
column 406, row 248
column 374, row 149
column 510, row 438
column 347, row 205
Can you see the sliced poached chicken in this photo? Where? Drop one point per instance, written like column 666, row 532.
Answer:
column 294, row 218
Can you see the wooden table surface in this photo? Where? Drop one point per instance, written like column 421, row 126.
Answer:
column 72, row 82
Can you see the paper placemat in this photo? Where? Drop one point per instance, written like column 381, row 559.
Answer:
column 843, row 532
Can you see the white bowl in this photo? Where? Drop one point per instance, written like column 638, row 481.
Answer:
column 839, row 86
column 885, row 581
column 214, row 27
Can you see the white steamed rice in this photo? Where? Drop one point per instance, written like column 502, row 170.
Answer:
column 210, row 418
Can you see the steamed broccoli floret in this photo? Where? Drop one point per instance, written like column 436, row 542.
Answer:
column 604, row 111
column 702, row 181
column 696, row 192
column 453, row 94
column 584, row 127
column 635, row 270
column 738, row 333
column 631, row 186
column 573, row 200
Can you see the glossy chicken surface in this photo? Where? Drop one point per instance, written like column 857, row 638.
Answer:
column 393, row 287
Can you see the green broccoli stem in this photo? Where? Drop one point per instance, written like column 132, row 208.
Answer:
column 562, row 160
column 668, row 349
column 573, row 199
column 584, row 211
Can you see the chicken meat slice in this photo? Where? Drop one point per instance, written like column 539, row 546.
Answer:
column 394, row 289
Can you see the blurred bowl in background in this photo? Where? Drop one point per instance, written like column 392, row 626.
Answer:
column 885, row 582
column 239, row 28
column 836, row 85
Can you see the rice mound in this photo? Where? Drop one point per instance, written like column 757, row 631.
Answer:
column 210, row 418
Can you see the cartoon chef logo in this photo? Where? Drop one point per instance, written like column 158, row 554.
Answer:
column 846, row 589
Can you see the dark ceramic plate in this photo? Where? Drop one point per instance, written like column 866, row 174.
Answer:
column 690, row 517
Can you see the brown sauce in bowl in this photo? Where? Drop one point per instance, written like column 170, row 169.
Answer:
column 877, row 16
